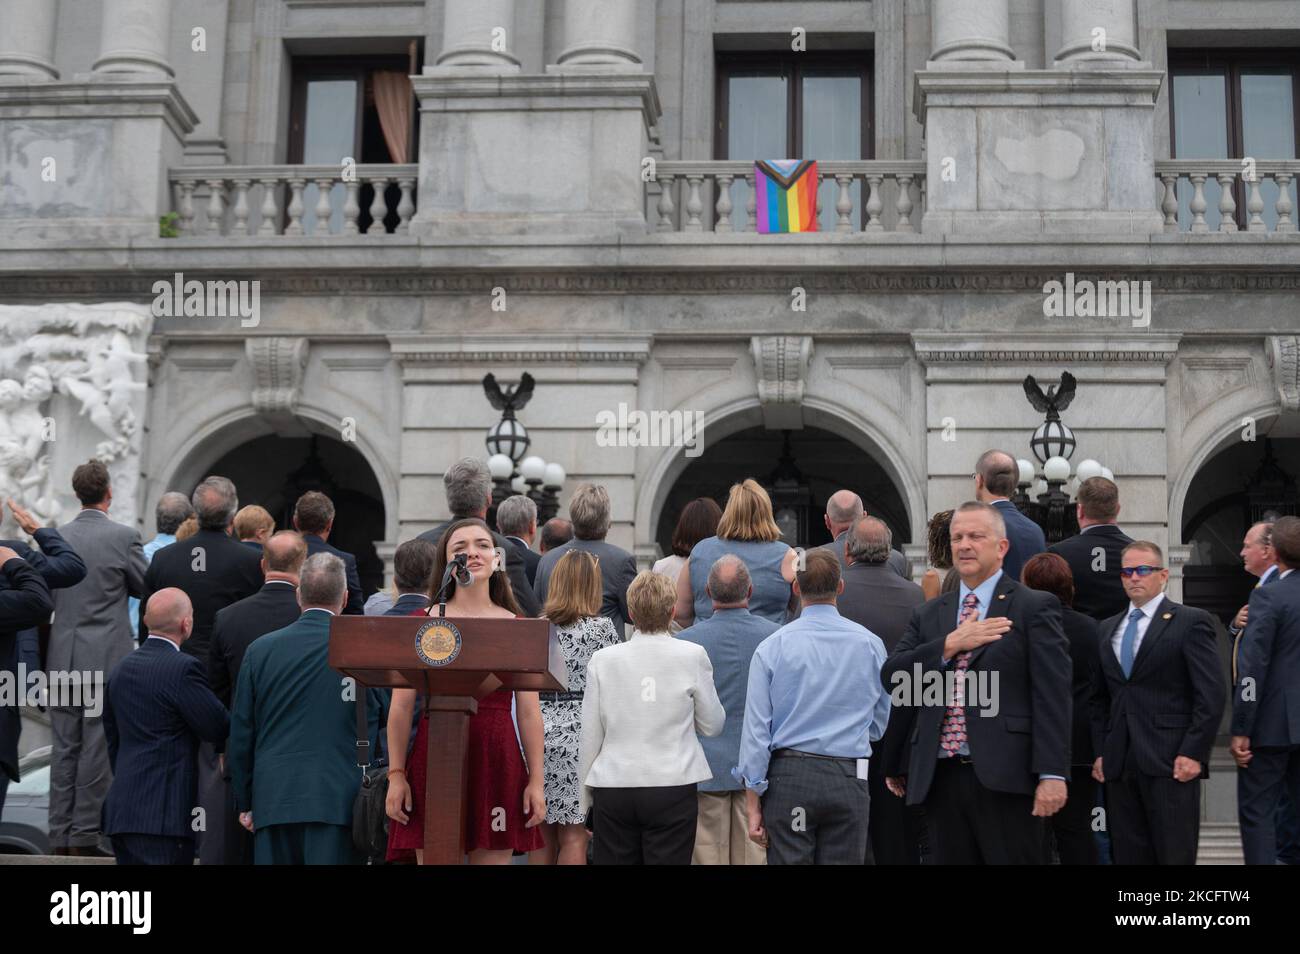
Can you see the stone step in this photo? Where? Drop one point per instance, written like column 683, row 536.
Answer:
column 54, row 860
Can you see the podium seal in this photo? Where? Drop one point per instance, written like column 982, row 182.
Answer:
column 437, row 642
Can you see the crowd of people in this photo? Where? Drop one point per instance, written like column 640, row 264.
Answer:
column 742, row 702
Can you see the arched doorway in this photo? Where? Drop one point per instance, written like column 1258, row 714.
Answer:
column 1234, row 488
column 273, row 471
column 800, row 469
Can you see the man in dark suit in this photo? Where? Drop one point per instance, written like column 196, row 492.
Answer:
column 59, row 566
column 412, row 567
column 292, row 733
column 272, row 607
column 589, row 508
column 1259, row 558
column 214, row 570
column 1094, row 552
column 1072, row 825
column 468, row 485
column 878, row 599
column 25, row 601
column 988, row 761
column 1158, row 695
column 995, row 481
column 517, row 519
column 555, row 532
column 844, row 509
column 1266, row 702
column 159, row 707
column 313, row 517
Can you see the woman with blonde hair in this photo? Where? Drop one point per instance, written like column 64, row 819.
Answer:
column 505, row 793
column 748, row 530
column 573, row 605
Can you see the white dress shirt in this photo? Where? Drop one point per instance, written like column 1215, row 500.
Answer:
column 644, row 703
column 1148, row 614
column 165, row 640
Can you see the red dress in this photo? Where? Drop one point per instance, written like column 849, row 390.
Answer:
column 497, row 779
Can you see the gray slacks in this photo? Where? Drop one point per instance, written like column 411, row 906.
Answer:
column 79, row 778
column 815, row 811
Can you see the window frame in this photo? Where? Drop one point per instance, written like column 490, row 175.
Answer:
column 793, row 66
column 305, row 69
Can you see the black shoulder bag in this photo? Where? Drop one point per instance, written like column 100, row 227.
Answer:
column 369, row 819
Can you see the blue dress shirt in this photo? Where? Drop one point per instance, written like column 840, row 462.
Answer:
column 814, row 686
column 150, row 548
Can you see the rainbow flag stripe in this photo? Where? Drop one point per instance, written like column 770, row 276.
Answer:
column 786, row 195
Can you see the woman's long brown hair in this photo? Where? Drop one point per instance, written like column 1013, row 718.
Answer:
column 499, row 589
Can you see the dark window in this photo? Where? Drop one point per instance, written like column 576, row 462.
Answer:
column 795, row 106
column 333, row 115
column 1230, row 104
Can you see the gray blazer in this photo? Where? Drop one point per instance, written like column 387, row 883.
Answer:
column 617, row 571
column 897, row 561
column 877, row 599
column 91, row 629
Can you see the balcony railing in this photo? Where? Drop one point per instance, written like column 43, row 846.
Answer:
column 864, row 195
column 1205, row 195
column 293, row 200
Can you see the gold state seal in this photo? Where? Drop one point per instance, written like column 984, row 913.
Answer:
column 438, row 642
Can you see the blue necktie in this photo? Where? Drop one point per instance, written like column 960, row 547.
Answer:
column 1128, row 641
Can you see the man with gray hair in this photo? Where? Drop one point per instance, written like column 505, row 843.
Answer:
column 468, row 486
column 172, row 510
column 730, row 637
column 843, row 510
column 881, row 601
column 214, row 570
column 293, row 733
column 589, row 509
column 517, row 519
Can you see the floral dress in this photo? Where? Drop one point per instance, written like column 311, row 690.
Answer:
column 562, row 716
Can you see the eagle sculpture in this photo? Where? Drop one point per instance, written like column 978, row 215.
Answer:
column 1057, row 398
column 508, row 399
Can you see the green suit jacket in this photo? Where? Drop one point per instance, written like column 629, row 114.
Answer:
column 292, row 746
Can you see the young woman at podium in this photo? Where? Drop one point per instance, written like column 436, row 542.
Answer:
column 499, row 778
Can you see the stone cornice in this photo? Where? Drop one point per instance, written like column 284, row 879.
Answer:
column 422, row 349
column 100, row 99
column 440, row 90
column 136, row 286
column 1072, row 348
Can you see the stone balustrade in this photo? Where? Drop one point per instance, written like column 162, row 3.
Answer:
column 292, row 200
column 685, row 187
column 1185, row 180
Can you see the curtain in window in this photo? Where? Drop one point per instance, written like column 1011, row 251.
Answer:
column 393, row 101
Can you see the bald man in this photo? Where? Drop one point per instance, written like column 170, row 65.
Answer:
column 843, row 510
column 730, row 637
column 158, row 708
column 996, row 476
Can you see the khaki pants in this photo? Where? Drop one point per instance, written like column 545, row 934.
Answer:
column 722, row 833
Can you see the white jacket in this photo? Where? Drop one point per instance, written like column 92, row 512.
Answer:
column 644, row 703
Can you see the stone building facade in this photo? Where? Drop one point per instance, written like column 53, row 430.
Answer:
column 568, row 204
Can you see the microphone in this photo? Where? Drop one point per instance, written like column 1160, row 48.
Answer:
column 459, row 566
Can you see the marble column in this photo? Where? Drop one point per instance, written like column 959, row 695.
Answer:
column 27, row 38
column 135, row 38
column 1102, row 31
column 479, row 33
column 963, row 31
column 600, row 34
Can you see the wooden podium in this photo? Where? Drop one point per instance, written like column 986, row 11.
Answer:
column 452, row 667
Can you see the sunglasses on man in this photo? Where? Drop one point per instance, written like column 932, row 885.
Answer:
column 1143, row 571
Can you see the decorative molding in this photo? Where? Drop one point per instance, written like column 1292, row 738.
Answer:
column 136, row 286
column 1048, row 356
column 1284, row 360
column 1208, row 379
column 782, row 365
column 277, row 365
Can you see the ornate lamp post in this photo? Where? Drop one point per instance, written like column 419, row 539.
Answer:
column 507, row 442
column 1053, row 444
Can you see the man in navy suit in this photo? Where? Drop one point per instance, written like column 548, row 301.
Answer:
column 1095, row 552
column 517, row 522
column 1266, row 700
column 59, row 566
column 313, row 517
column 158, row 708
column 412, row 566
column 995, row 481
column 24, row 602
column 292, row 733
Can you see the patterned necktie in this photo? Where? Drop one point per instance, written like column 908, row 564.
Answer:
column 1128, row 641
column 952, row 734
